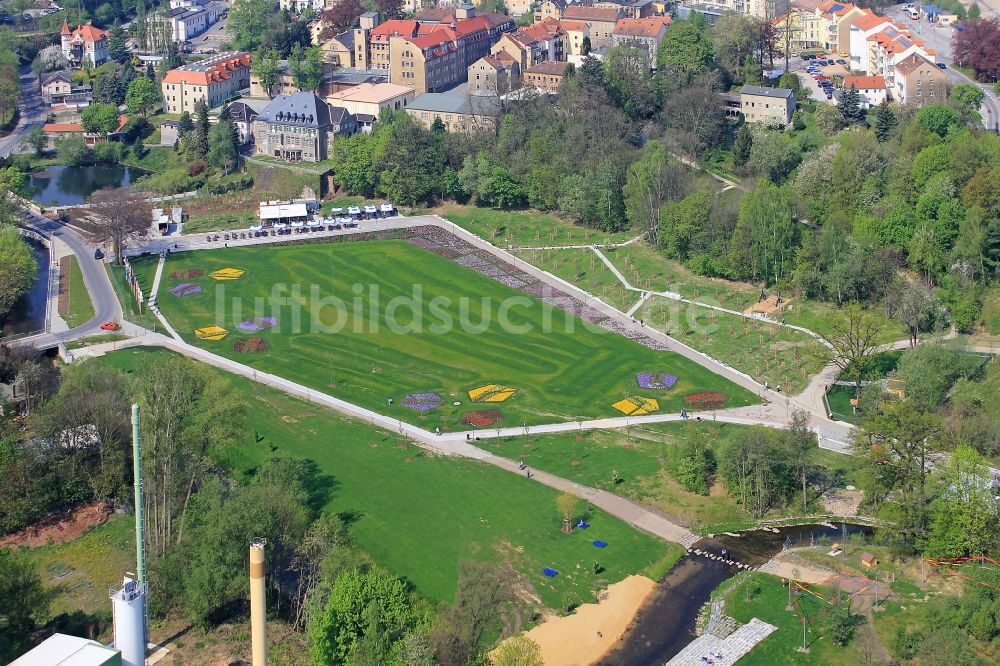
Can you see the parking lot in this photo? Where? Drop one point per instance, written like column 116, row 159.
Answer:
column 813, row 71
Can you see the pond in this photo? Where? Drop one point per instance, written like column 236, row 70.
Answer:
column 666, row 622
column 28, row 313
column 71, row 185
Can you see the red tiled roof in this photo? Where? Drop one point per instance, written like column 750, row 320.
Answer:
column 219, row 72
column 599, row 14
column 642, row 27
column 868, row 22
column 865, row 82
column 89, row 33
column 77, row 128
column 912, row 62
column 550, row 67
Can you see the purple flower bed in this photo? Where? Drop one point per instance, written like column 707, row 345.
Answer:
column 248, row 325
column 655, row 380
column 423, row 402
column 185, row 289
column 258, row 324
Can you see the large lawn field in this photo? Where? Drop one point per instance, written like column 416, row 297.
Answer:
column 419, row 514
column 560, row 368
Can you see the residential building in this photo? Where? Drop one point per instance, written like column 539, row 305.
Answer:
column 518, row 8
column 918, row 82
column 348, row 77
column 299, row 128
column 494, row 75
column 837, row 17
column 214, row 80
column 188, row 20
column 574, row 34
column 427, row 56
column 242, row 114
column 58, row 88
column 891, row 46
column 871, row 88
column 459, row 113
column 546, row 76
column 85, row 45
column 372, row 98
column 771, row 106
column 600, row 22
column 644, row 33
column 861, row 29
column 169, row 132
column 804, row 28
column 339, row 49
column 552, row 9
column 766, row 10
column 532, row 45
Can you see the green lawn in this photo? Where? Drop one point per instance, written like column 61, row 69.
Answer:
column 81, row 310
column 561, row 369
column 584, row 269
column 767, row 602
column 227, row 221
column 419, row 514
column 527, row 227
column 145, row 269
column 80, row 571
column 158, row 159
column 839, row 398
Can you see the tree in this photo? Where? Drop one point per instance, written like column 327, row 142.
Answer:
column 185, row 124
column 965, row 517
column 974, row 12
column 626, row 73
column 938, row 118
column 74, row 151
column 17, row 268
column 306, row 67
column 854, row 342
column 342, row 16
column 37, row 140
column 567, row 503
column 850, row 106
column 764, row 239
column 753, row 469
column 24, row 602
column 266, row 69
column 652, row 180
column 967, row 98
column 517, row 650
column 695, row 113
column 197, row 139
column 486, row 600
column 774, row 154
column 928, row 372
column 691, row 462
column 742, row 146
column 142, row 96
column 222, row 148
column 976, row 47
column 585, row 46
column 915, row 308
column 117, row 46
column 393, row 9
column 356, row 598
column 248, row 22
column 100, row 118
column 119, row 214
column 150, row 72
column 686, row 49
column 49, row 59
column 801, row 443
column 885, row 121
column 735, row 40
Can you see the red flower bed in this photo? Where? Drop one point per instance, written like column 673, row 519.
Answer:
column 482, row 419
column 250, row 345
column 705, row 400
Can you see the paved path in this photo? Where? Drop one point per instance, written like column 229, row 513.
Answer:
column 32, row 113
column 723, row 651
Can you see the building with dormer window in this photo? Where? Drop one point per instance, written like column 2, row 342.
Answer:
column 85, row 46
column 299, row 128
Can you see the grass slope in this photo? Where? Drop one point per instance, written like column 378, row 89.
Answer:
column 527, row 228
column 419, row 514
column 560, row 374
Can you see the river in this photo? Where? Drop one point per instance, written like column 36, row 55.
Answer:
column 666, row 622
column 28, row 313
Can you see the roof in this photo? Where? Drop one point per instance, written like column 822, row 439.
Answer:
column 448, row 103
column 777, row 93
column 642, row 27
column 242, row 112
column 866, row 23
column 364, row 117
column 599, row 14
column 867, row 557
column 170, row 123
column 355, row 76
column 211, row 70
column 302, row 108
column 914, row 61
column 501, row 60
column 569, row 24
column 278, row 211
column 345, row 38
column 370, row 93
column 549, row 67
column 87, row 33
column 63, row 650
column 865, row 82
column 54, row 76
column 807, row 5
column 77, row 128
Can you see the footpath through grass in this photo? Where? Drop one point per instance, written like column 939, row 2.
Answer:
column 527, row 228
column 81, row 310
column 419, row 514
column 414, row 322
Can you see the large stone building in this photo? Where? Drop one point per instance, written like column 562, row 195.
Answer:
column 458, row 113
column 546, row 76
column 770, row 106
column 494, row 75
column 299, row 128
column 918, row 82
column 215, row 80
column 427, row 56
column 644, row 33
column 372, row 98
column 529, row 46
column 85, row 46
column 600, row 22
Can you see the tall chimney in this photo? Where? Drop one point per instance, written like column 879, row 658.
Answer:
column 258, row 604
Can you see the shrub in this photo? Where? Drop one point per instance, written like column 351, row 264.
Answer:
column 197, row 167
column 109, row 152
column 74, row 151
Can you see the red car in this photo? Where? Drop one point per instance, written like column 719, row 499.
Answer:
column 110, row 326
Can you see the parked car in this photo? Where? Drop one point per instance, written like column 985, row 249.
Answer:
column 371, row 211
column 110, row 326
column 841, row 62
column 353, row 211
column 941, row 65
column 98, row 254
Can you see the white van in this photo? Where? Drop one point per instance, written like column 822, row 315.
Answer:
column 913, row 13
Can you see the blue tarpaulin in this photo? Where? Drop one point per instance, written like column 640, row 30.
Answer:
column 551, row 573
column 600, row 544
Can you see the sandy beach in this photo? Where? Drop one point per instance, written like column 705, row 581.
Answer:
column 585, row 636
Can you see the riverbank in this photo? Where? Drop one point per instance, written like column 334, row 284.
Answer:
column 588, row 634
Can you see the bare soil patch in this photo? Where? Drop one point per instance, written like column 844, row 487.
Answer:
column 59, row 527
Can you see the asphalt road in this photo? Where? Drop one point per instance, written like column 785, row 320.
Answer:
column 95, row 277
column 32, row 113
